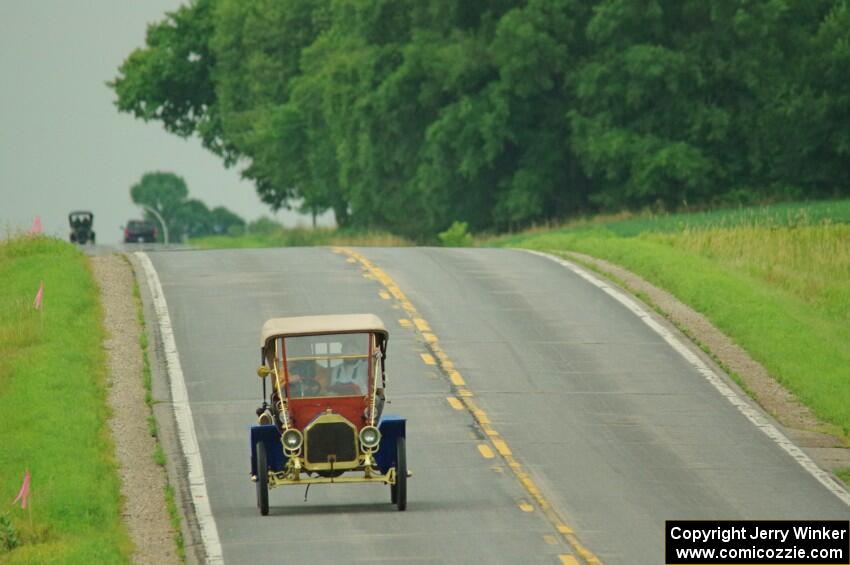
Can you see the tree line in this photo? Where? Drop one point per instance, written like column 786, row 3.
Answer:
column 168, row 195
column 409, row 114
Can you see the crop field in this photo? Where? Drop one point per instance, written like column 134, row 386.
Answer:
column 628, row 224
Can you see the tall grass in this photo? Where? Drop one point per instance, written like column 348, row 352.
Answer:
column 810, row 262
column 629, row 223
column 53, row 409
column 776, row 280
column 303, row 237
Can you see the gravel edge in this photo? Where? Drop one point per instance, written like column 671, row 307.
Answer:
column 143, row 482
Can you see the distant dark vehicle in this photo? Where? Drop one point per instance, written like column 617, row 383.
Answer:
column 138, row 231
column 81, row 223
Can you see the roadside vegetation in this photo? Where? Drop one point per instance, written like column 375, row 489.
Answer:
column 774, row 279
column 53, row 412
column 277, row 236
column 408, row 115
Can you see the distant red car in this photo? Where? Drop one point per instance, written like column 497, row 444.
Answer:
column 323, row 421
column 140, row 231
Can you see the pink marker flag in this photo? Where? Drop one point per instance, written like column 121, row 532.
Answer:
column 39, row 296
column 36, row 226
column 24, row 493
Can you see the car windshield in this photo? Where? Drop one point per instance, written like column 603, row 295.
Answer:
column 328, row 365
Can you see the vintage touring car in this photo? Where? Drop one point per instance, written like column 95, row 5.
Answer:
column 81, row 227
column 321, row 421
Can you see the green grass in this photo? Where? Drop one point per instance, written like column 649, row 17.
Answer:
column 302, row 237
column 774, row 279
column 629, row 224
column 53, row 409
column 159, row 456
column 174, row 516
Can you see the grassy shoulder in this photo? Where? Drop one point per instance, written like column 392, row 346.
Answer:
column 53, row 410
column 773, row 279
column 301, row 237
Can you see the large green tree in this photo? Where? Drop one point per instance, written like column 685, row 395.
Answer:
column 410, row 114
column 170, row 80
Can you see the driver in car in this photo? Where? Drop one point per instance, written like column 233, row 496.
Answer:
column 306, row 379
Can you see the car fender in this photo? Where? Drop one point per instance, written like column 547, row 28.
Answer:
column 391, row 427
column 269, row 435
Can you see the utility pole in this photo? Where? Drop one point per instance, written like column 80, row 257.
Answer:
column 161, row 221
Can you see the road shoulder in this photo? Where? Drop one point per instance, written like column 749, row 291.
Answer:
column 796, row 420
column 143, row 482
column 176, row 466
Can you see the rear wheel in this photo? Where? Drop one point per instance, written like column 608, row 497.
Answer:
column 398, row 491
column 262, row 479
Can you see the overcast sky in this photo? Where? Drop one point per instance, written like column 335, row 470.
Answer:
column 64, row 146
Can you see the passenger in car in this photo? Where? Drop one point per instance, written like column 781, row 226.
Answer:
column 350, row 377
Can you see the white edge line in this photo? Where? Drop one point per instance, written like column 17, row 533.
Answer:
column 183, row 415
column 753, row 415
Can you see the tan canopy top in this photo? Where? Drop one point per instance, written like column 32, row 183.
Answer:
column 337, row 323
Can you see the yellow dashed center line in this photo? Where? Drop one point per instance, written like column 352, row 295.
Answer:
column 480, row 416
column 503, row 449
column 456, row 379
column 428, row 359
column 455, row 403
column 404, row 322
column 526, row 507
column 485, row 451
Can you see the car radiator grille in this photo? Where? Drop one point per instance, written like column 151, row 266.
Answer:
column 332, row 438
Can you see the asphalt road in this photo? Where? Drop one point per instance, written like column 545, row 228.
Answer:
column 109, row 248
column 617, row 430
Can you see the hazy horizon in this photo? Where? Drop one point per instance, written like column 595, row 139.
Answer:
column 63, row 144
